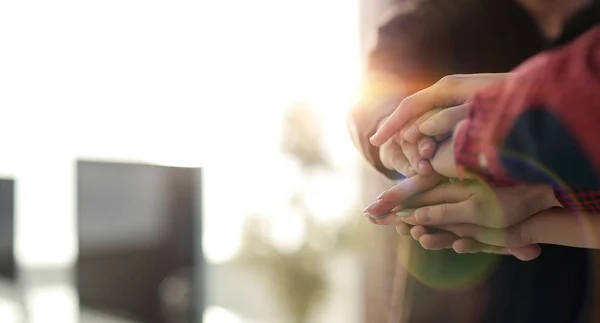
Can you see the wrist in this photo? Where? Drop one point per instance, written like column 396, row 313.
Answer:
column 543, row 198
column 564, row 227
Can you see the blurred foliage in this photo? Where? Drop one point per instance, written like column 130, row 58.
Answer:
column 302, row 137
column 299, row 276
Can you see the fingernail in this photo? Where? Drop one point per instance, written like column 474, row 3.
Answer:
column 421, row 215
column 372, row 140
column 426, row 146
column 403, row 214
column 382, row 194
column 366, row 210
column 410, row 170
column 423, row 167
column 396, row 209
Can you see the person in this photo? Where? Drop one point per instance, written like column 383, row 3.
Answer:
column 465, row 49
column 538, row 129
column 548, row 102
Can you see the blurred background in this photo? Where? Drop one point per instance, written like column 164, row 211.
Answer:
column 187, row 161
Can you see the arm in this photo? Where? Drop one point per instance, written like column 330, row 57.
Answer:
column 540, row 125
column 562, row 227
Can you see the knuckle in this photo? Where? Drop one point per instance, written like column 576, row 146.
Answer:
column 439, row 213
column 407, row 101
column 518, row 236
column 448, row 80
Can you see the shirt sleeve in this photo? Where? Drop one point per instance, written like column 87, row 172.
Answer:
column 541, row 125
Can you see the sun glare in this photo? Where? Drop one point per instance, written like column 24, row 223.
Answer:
column 285, row 51
column 178, row 83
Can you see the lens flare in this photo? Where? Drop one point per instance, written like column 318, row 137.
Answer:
column 446, row 270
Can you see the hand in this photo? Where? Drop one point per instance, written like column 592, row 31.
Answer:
column 388, row 200
column 450, row 91
column 408, row 158
column 554, row 226
column 512, row 225
column 476, row 207
column 471, row 202
column 518, row 240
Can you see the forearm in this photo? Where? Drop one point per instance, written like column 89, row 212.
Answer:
column 566, row 227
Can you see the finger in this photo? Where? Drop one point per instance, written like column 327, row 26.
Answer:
column 448, row 213
column 444, row 121
column 399, row 136
column 510, row 237
column 444, row 161
column 526, row 253
column 468, row 245
column 447, row 192
column 424, row 167
column 389, row 219
column 379, row 208
column 409, row 187
column 417, row 232
column 427, row 147
column 465, row 245
column 403, row 229
column 412, row 133
column 371, row 219
column 446, row 92
column 437, row 241
column 442, row 137
column 407, row 217
column 411, row 151
column 394, row 217
column 392, row 157
column 386, row 219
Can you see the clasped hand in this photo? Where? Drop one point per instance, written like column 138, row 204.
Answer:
column 467, row 216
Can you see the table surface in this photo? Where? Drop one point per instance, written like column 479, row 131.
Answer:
column 41, row 300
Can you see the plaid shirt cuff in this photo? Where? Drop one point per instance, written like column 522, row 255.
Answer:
column 581, row 200
column 475, row 148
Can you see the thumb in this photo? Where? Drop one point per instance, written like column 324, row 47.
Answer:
column 410, row 186
column 444, row 121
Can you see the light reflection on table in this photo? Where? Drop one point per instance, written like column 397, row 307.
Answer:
column 47, row 302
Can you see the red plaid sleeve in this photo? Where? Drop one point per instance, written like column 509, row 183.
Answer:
column 562, row 84
column 585, row 200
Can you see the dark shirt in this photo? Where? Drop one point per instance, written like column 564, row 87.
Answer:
column 415, row 49
column 422, row 43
